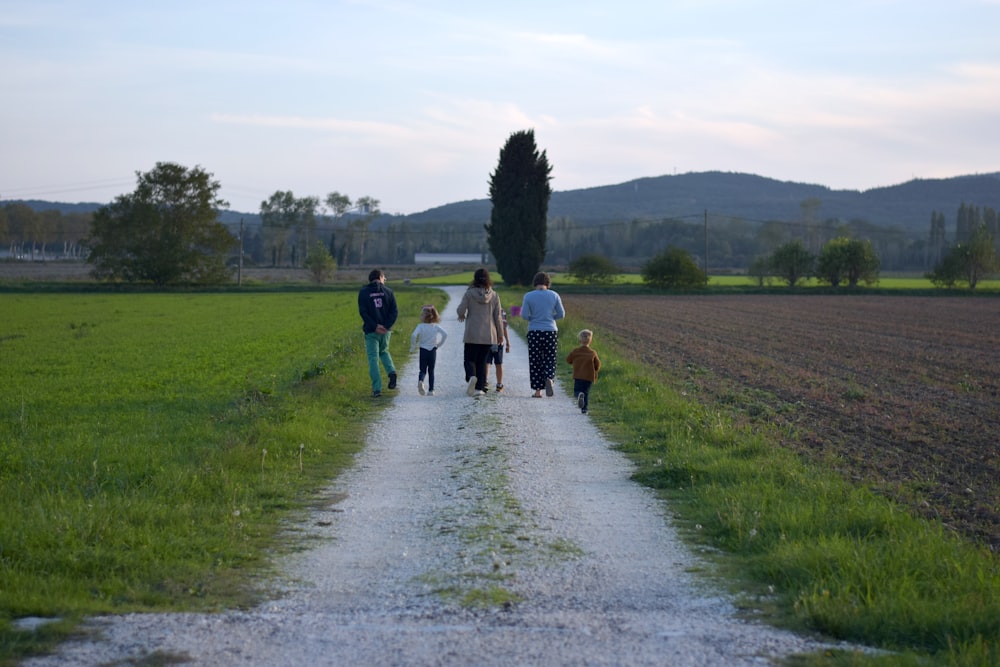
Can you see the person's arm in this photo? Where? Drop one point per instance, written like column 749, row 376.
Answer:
column 498, row 321
column 559, row 311
column 365, row 310
column 525, row 309
column 392, row 311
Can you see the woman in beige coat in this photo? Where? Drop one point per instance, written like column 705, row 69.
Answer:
column 481, row 311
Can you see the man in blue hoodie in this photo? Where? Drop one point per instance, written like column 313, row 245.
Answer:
column 377, row 305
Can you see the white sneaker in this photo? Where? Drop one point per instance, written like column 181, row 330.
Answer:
column 430, row 393
column 471, row 389
column 420, row 387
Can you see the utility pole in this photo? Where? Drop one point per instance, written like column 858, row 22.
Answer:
column 239, row 272
column 706, row 242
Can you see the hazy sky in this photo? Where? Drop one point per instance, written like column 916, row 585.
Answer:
column 410, row 102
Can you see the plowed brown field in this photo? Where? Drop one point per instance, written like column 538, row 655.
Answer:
column 899, row 393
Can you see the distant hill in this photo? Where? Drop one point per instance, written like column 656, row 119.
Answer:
column 756, row 198
column 908, row 206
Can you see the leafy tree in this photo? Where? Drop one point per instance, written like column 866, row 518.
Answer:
column 285, row 218
column 20, row 221
column 847, row 260
column 519, row 191
column 966, row 222
column 368, row 207
column 320, row 263
column 967, row 262
column 792, row 262
column 674, row 267
column 936, row 240
column 336, row 205
column 980, row 256
column 948, row 271
column 760, row 270
column 166, row 232
column 594, row 269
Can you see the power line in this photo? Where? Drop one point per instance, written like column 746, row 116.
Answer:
column 39, row 190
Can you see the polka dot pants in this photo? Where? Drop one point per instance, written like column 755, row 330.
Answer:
column 542, row 347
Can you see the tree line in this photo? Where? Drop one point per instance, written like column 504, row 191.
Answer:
column 41, row 235
column 290, row 229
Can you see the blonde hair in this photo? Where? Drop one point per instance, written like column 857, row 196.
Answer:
column 585, row 336
column 429, row 314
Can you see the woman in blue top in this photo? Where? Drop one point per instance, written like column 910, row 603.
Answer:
column 542, row 307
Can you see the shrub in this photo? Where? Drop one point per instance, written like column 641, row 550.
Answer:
column 793, row 263
column 320, row 264
column 847, row 260
column 594, row 269
column 674, row 267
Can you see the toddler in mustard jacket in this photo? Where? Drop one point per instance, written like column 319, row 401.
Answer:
column 586, row 364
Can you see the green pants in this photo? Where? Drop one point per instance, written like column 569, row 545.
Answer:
column 377, row 349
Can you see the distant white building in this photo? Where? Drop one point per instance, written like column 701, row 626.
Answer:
column 449, row 258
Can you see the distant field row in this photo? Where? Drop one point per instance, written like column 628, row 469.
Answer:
column 889, row 282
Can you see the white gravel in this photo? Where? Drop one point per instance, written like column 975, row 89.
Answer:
column 501, row 495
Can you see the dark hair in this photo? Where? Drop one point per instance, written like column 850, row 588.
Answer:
column 541, row 278
column 481, row 278
column 375, row 275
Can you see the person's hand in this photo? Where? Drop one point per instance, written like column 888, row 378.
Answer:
column 379, row 329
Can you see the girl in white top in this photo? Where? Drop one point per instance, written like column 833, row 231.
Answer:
column 428, row 336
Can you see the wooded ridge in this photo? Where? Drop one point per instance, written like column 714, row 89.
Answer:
column 907, row 206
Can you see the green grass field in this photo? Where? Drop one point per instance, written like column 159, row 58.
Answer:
column 152, row 444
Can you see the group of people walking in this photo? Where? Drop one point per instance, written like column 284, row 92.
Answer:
column 485, row 339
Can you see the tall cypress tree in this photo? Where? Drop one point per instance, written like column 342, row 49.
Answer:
column 519, row 192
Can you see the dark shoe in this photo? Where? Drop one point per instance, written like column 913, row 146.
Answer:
column 376, row 394
column 549, row 389
column 392, row 380
column 581, row 401
column 499, row 387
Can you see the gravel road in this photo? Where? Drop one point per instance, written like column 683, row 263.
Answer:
column 500, row 530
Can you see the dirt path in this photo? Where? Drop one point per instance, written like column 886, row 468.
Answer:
column 505, row 500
